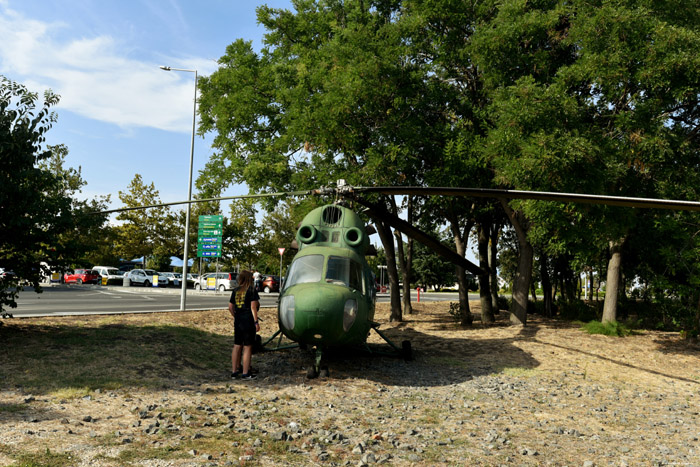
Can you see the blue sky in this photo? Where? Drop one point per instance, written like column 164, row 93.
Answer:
column 119, row 113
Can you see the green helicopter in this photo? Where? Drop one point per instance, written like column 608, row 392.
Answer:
column 329, row 295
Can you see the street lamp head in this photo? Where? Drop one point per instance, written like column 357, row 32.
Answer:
column 166, row 68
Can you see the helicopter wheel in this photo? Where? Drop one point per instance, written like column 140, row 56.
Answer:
column 406, row 351
column 311, row 373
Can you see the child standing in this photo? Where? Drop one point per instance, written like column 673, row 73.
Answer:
column 243, row 306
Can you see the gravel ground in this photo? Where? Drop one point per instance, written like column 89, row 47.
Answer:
column 545, row 394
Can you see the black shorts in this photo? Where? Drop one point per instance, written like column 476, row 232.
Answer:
column 244, row 329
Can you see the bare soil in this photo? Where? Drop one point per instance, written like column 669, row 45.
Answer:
column 544, row 394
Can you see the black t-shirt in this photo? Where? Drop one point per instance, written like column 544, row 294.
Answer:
column 242, row 306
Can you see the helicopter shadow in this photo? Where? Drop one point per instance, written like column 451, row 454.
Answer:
column 437, row 361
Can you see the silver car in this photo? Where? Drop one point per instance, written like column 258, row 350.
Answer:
column 144, row 277
column 173, row 278
column 221, row 281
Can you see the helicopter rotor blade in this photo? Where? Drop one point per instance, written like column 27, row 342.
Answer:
column 623, row 201
column 204, row 200
column 379, row 214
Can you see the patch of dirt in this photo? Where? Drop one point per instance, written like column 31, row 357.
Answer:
column 547, row 393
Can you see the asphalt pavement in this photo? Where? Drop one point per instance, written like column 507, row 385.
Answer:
column 85, row 299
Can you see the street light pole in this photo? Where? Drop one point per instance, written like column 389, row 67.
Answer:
column 183, row 294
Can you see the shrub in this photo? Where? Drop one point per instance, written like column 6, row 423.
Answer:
column 577, row 311
column 612, row 328
column 503, row 303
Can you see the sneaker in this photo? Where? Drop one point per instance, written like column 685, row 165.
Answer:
column 248, row 377
column 235, row 374
column 251, row 370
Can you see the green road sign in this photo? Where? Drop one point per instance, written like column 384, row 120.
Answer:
column 209, row 247
column 211, row 225
column 210, row 233
column 209, row 239
column 212, row 218
column 209, row 254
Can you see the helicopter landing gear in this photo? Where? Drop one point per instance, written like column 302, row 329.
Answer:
column 405, row 352
column 318, row 370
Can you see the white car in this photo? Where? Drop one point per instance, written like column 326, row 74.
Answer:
column 144, row 277
column 221, row 281
column 113, row 275
column 173, row 278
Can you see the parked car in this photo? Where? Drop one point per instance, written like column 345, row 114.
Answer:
column 81, row 276
column 223, row 281
column 173, row 278
column 144, row 277
column 5, row 273
column 113, row 275
column 270, row 284
column 191, row 279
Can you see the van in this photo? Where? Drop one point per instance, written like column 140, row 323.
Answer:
column 221, row 281
column 109, row 275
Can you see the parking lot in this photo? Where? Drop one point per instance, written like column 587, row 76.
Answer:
column 85, row 299
column 63, row 300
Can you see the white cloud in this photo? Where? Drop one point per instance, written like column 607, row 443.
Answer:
column 95, row 76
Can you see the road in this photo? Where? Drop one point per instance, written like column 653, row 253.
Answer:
column 66, row 300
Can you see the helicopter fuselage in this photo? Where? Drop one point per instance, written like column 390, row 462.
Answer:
column 329, row 295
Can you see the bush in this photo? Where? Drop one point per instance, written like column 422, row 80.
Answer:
column 612, row 328
column 577, row 311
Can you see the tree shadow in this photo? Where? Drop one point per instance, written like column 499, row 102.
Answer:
column 52, row 359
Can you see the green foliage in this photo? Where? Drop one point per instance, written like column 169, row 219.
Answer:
column 40, row 221
column 503, row 302
column 150, row 232
column 278, row 230
column 576, row 310
column 610, row 328
column 431, row 269
column 594, row 97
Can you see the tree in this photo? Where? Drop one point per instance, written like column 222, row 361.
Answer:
column 278, row 230
column 90, row 233
column 38, row 217
column 431, row 269
column 154, row 232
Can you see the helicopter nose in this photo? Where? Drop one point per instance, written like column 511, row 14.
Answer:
column 318, row 314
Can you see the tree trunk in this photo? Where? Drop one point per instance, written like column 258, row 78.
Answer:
column 612, row 285
column 387, row 239
column 523, row 274
column 487, row 316
column 460, row 240
column 405, row 256
column 405, row 273
column 465, row 314
column 546, row 285
column 493, row 267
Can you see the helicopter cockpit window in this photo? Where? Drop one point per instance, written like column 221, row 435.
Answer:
column 344, row 271
column 305, row 269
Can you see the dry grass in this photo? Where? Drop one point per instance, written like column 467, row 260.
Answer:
column 58, row 370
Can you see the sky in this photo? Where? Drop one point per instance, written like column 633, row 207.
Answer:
column 119, row 113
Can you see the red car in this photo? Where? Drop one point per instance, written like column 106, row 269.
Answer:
column 270, row 284
column 82, row 276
